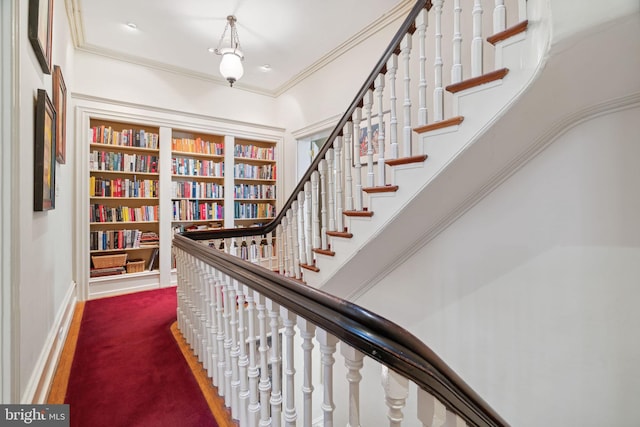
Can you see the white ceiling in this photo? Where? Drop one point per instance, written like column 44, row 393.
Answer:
column 293, row 37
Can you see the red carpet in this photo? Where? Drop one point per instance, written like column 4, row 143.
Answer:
column 128, row 370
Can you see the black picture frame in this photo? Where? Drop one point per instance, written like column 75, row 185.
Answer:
column 44, row 177
column 40, row 31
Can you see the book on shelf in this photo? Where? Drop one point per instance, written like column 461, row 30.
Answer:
column 107, row 271
column 152, row 259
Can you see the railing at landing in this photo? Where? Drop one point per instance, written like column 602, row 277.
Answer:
column 256, row 376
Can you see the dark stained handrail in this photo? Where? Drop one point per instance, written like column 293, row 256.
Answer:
column 372, row 335
column 408, row 26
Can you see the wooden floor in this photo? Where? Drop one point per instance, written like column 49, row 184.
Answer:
column 58, row 389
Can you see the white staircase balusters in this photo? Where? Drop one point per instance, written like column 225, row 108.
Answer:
column 243, row 358
column 308, row 209
column 327, row 348
column 323, row 204
column 226, row 316
column 302, row 236
column 288, row 367
column 276, row 364
column 357, row 136
column 499, row 17
column 368, row 102
column 337, row 151
column 396, row 391
column 392, row 71
column 220, row 335
column 476, row 42
column 235, row 349
column 456, row 69
column 280, row 248
column 454, row 420
column 522, row 10
column 405, row 49
column 290, row 239
column 438, row 90
column 353, row 360
column 379, row 89
column 315, row 209
column 347, row 131
column 207, row 277
column 265, row 382
column 271, row 241
column 422, row 23
column 307, row 332
column 295, row 243
column 331, row 190
column 431, row 412
column 253, row 410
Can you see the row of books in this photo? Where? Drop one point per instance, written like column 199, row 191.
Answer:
column 122, row 162
column 194, row 210
column 253, row 152
column 122, row 187
column 196, row 167
column 197, row 145
column 101, row 213
column 197, row 190
column 125, row 137
column 254, row 191
column 242, row 170
column 253, row 210
column 114, row 239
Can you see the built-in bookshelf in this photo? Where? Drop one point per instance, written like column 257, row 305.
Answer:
column 254, row 177
column 197, row 181
column 123, row 199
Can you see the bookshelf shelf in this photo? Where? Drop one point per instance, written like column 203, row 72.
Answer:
column 121, row 148
column 108, row 251
column 124, row 173
column 199, row 177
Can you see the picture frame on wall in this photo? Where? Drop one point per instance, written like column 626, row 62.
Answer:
column 40, row 31
column 44, row 180
column 60, row 105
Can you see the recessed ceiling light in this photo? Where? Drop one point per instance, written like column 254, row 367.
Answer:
column 132, row 25
column 265, row 67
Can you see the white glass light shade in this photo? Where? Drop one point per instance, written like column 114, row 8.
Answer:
column 231, row 65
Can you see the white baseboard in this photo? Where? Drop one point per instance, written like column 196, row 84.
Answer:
column 40, row 382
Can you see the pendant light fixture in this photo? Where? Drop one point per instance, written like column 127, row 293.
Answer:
column 231, row 62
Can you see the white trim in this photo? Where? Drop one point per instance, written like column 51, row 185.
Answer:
column 318, row 127
column 37, row 388
column 9, row 207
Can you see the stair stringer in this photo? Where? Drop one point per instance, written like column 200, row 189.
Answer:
column 378, row 241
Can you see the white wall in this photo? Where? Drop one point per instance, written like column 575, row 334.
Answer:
column 45, row 238
column 530, row 296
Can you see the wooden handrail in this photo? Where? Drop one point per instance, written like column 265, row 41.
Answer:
column 372, row 335
column 407, row 26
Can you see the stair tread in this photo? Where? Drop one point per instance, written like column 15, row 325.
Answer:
column 358, row 213
column 309, row 267
column 509, row 32
column 477, row 81
column 406, row 160
column 324, row 252
column 454, row 121
column 381, row 189
column 344, row 234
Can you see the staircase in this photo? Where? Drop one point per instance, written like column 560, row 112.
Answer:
column 362, row 207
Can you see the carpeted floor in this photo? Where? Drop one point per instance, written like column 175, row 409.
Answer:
column 128, row 370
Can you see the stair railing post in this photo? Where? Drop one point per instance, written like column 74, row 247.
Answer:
column 431, row 412
column 392, row 70
column 307, row 332
column 276, row 363
column 253, row 410
column 228, row 369
column 327, row 348
column 379, row 85
column 235, row 349
column 308, row 225
column 295, row 247
column 368, row 102
column 405, row 48
column 353, row 361
column 315, row 209
column 323, row 203
column 280, row 249
column 476, row 42
column 338, row 147
column 422, row 23
column 456, row 69
column 348, row 157
column 302, row 235
column 396, row 390
column 289, row 371
column 438, row 90
column 220, row 336
column 265, row 382
column 243, row 359
column 357, row 119
column 331, row 190
column 499, row 17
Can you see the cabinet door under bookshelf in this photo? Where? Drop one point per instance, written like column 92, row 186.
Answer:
column 254, row 174
column 124, row 198
column 197, row 179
